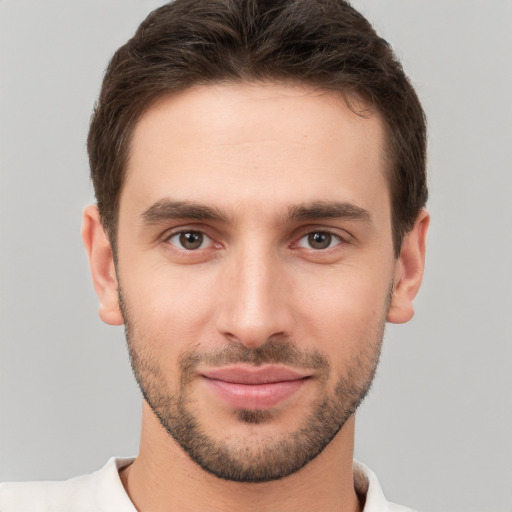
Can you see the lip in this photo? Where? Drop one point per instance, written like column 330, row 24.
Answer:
column 253, row 388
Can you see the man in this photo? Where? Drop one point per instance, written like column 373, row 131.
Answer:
column 259, row 169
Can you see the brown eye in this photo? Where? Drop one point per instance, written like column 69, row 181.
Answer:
column 189, row 240
column 319, row 240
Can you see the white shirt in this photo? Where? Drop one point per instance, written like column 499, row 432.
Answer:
column 102, row 491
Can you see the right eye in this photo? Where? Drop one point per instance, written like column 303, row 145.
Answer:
column 190, row 240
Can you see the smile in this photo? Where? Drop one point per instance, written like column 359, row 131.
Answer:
column 254, row 388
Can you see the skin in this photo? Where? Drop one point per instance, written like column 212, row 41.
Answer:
column 256, row 153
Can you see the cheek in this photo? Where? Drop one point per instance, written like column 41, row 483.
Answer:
column 169, row 308
column 345, row 313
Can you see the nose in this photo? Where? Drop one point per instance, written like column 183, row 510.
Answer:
column 255, row 300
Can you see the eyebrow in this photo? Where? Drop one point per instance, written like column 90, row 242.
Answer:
column 328, row 210
column 167, row 209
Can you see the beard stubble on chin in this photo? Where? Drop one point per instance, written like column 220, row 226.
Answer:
column 270, row 458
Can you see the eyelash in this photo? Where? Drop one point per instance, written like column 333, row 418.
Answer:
column 184, row 232
column 331, row 237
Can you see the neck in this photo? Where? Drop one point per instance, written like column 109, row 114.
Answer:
column 164, row 479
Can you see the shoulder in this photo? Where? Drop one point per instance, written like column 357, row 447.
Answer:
column 98, row 491
column 46, row 496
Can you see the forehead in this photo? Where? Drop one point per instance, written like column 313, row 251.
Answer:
column 265, row 146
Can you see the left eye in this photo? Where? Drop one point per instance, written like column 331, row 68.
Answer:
column 190, row 240
column 319, row 240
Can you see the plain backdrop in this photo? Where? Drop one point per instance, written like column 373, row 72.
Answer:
column 437, row 426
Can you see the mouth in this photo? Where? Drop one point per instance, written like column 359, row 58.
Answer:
column 254, row 388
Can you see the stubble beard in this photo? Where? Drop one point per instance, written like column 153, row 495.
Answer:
column 269, row 458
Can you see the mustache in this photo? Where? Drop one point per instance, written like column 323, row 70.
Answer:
column 271, row 352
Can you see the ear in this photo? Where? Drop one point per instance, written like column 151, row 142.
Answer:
column 409, row 271
column 101, row 261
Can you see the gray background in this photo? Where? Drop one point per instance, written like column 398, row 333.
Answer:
column 437, row 426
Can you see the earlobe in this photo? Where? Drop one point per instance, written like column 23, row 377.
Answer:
column 101, row 262
column 409, row 271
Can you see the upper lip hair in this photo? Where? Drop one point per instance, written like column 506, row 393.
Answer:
column 268, row 374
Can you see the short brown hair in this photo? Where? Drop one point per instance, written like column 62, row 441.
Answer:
column 323, row 43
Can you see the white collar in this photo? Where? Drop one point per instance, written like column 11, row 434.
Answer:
column 365, row 482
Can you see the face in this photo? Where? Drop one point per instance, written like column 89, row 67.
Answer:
column 255, row 271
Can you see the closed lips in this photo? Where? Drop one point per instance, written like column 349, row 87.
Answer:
column 260, row 388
